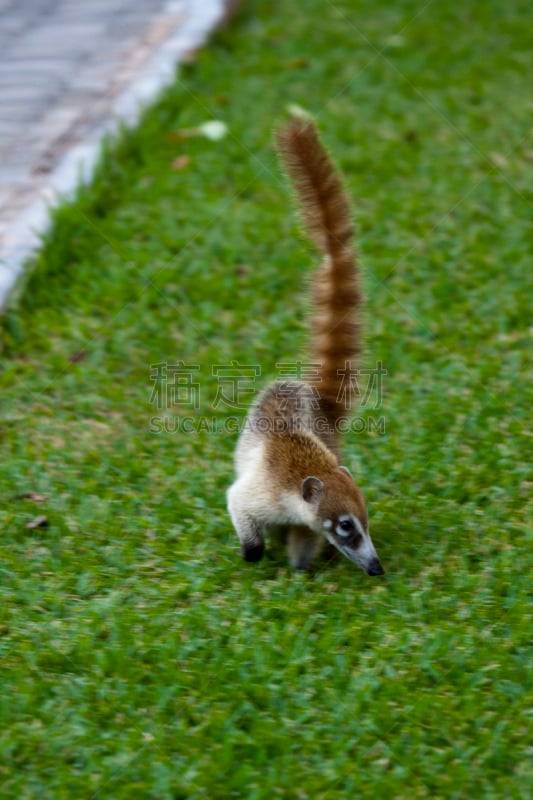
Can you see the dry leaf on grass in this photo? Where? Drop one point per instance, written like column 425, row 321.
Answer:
column 180, row 162
column 299, row 112
column 79, row 355
column 38, row 522
column 214, row 130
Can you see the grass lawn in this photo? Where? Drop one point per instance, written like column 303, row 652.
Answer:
column 140, row 657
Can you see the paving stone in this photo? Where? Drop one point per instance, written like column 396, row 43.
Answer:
column 68, row 70
column 11, row 65
column 12, row 175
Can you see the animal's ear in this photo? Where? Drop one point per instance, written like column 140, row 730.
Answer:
column 346, row 470
column 311, row 488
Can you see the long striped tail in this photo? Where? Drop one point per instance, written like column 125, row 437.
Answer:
column 337, row 299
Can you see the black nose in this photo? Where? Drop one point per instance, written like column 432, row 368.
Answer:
column 375, row 568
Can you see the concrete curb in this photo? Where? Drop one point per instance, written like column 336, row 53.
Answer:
column 23, row 237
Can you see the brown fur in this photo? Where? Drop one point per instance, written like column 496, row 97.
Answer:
column 336, row 335
column 293, row 456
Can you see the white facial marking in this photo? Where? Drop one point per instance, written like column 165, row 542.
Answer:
column 327, row 524
column 357, row 525
column 339, row 530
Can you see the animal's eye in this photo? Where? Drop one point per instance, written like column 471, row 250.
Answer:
column 346, row 525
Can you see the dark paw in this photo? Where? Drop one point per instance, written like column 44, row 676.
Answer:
column 253, row 552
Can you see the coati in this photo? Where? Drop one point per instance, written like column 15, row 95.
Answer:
column 289, row 476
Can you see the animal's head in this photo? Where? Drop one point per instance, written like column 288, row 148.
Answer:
column 339, row 514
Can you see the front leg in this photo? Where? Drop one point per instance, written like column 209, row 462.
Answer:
column 303, row 546
column 248, row 528
column 252, row 539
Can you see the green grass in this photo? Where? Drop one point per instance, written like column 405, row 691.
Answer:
column 140, row 656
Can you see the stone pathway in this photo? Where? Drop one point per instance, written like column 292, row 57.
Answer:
column 69, row 71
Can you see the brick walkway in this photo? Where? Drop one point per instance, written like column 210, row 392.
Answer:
column 68, row 71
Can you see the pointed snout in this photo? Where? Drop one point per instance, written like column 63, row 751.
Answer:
column 375, row 568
